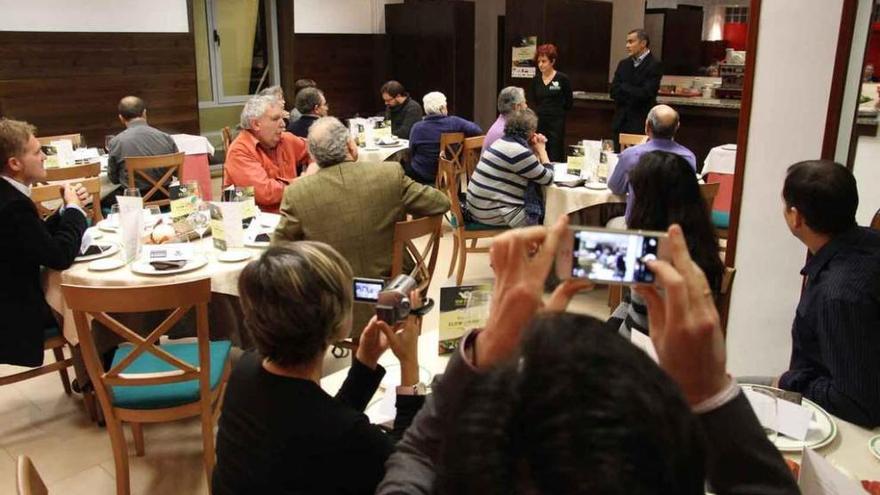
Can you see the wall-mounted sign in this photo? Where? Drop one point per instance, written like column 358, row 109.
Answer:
column 523, row 58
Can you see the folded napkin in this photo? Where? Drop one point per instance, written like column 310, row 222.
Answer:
column 93, row 249
column 167, row 265
column 85, row 242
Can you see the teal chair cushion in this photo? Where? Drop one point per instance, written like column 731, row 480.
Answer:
column 721, row 219
column 50, row 332
column 173, row 394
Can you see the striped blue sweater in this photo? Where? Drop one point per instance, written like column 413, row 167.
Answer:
column 496, row 189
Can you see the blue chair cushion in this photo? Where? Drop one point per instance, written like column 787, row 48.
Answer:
column 172, row 394
column 721, row 219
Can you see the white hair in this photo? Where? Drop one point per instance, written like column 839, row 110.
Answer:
column 255, row 108
column 434, row 102
column 328, row 141
column 509, row 98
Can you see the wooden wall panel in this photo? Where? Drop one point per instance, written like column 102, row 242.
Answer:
column 432, row 49
column 580, row 29
column 349, row 68
column 72, row 82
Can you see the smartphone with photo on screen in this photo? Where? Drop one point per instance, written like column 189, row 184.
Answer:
column 609, row 256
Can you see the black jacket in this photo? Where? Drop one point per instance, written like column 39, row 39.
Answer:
column 26, row 244
column 300, row 127
column 403, row 117
column 634, row 90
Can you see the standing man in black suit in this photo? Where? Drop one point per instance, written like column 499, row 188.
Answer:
column 27, row 243
column 635, row 85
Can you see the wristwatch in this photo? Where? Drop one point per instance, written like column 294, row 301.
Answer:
column 417, row 389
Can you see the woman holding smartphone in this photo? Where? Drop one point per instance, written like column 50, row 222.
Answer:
column 550, row 93
column 665, row 192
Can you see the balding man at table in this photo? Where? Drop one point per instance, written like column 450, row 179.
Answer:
column 661, row 125
column 263, row 155
column 353, row 206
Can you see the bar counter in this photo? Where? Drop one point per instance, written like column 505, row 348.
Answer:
column 705, row 122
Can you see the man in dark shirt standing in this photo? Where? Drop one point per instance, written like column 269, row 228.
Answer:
column 635, row 85
column 138, row 139
column 400, row 109
column 836, row 331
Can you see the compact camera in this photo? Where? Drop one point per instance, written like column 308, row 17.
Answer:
column 391, row 300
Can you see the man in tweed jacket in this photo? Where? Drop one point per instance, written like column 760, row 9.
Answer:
column 352, row 206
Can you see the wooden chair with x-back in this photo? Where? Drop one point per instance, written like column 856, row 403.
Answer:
column 140, row 166
column 150, row 381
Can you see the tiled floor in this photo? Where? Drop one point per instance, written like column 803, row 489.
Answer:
column 74, row 456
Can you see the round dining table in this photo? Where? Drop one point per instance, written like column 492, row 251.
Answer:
column 223, row 275
column 379, row 153
column 560, row 200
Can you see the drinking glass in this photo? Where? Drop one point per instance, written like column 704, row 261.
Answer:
column 192, row 188
column 200, row 219
column 113, row 218
column 132, row 192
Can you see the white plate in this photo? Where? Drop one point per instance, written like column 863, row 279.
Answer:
column 106, row 264
column 255, row 244
column 95, row 233
column 233, row 256
column 822, row 430
column 107, row 226
column 596, row 186
column 874, row 446
column 143, row 267
column 371, row 148
column 394, row 145
column 109, row 252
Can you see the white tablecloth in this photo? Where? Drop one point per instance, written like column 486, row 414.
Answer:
column 192, row 145
column 565, row 200
column 224, row 277
column 381, row 153
column 721, row 160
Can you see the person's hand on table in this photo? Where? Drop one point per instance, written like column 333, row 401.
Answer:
column 521, row 259
column 72, row 194
column 685, row 326
column 404, row 342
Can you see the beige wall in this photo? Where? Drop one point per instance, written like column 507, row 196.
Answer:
column 787, row 125
column 627, row 15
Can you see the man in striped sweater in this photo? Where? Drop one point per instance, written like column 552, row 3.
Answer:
column 497, row 192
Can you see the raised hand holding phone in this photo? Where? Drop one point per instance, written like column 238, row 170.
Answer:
column 685, row 326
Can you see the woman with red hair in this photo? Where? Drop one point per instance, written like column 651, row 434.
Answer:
column 551, row 97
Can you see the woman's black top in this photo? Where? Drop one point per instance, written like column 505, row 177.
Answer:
column 550, row 102
column 286, row 435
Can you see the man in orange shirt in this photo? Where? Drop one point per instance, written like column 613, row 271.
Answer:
column 263, row 155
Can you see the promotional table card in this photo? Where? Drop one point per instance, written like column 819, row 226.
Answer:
column 183, row 201
column 131, row 224
column 64, row 151
column 226, row 229
column 576, row 159
column 461, row 309
column 820, row 477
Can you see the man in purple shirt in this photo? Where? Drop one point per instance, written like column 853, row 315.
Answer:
column 510, row 99
column 660, row 126
column 424, row 139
